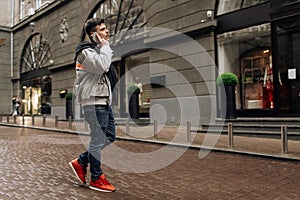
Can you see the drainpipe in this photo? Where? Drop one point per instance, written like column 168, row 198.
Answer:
column 11, row 55
column 11, row 38
column 12, row 48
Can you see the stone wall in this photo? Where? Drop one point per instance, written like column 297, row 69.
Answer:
column 5, row 68
column 5, row 14
column 187, row 65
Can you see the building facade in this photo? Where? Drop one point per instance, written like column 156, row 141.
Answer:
column 175, row 47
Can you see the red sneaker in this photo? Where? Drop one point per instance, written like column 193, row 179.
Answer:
column 102, row 185
column 79, row 171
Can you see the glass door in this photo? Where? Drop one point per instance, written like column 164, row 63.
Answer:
column 36, row 98
column 32, row 100
column 288, row 63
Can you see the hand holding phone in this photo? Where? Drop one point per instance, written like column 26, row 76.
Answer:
column 96, row 38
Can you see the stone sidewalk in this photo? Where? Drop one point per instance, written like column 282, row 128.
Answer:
column 34, row 165
column 258, row 146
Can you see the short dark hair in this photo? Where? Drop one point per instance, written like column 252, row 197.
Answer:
column 90, row 25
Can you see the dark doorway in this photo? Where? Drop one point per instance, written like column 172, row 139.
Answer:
column 288, row 64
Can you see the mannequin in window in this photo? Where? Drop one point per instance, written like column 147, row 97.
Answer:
column 268, row 84
column 139, row 85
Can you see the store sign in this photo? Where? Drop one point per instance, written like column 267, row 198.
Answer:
column 292, row 73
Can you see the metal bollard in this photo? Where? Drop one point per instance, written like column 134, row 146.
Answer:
column 32, row 120
column 15, row 119
column 188, row 131
column 23, row 119
column 155, row 128
column 127, row 131
column 7, row 118
column 44, row 120
column 284, row 139
column 70, row 122
column 56, row 121
column 230, row 135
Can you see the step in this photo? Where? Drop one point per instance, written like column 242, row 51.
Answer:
column 267, row 121
column 254, row 127
column 251, row 133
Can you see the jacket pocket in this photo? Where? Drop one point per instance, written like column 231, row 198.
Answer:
column 102, row 89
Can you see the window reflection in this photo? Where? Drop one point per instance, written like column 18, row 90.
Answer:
column 226, row 6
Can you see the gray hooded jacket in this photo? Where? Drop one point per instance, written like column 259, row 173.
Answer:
column 92, row 85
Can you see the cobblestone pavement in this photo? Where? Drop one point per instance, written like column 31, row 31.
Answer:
column 34, row 165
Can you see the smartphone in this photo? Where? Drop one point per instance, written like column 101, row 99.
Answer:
column 95, row 38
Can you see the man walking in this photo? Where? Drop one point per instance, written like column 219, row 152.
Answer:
column 94, row 85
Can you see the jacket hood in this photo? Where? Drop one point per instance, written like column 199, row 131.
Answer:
column 84, row 45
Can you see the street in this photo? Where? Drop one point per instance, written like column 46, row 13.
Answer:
column 34, row 165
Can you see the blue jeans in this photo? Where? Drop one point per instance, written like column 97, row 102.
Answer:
column 103, row 132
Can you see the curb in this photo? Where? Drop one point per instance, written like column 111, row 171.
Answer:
column 181, row 145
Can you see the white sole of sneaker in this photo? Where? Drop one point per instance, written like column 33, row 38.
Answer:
column 100, row 190
column 74, row 171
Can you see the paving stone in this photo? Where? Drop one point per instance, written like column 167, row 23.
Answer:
column 35, row 166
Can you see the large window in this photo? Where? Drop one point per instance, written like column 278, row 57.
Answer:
column 226, row 6
column 137, row 73
column 36, row 54
column 36, row 80
column 247, row 53
column 124, row 19
column 257, row 79
column 36, row 97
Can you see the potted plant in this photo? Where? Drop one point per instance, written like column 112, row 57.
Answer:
column 228, row 80
column 133, row 101
column 70, row 105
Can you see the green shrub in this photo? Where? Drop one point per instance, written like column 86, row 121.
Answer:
column 70, row 96
column 227, row 78
column 133, row 89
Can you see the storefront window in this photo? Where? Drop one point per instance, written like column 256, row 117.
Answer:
column 226, row 6
column 247, row 53
column 257, row 79
column 36, row 80
column 36, row 98
column 138, row 73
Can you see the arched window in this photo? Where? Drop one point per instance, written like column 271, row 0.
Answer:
column 36, row 54
column 36, row 81
column 125, row 19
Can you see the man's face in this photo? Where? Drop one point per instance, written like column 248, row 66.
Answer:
column 102, row 31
